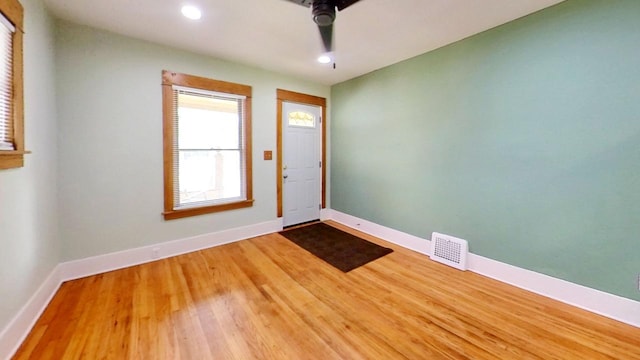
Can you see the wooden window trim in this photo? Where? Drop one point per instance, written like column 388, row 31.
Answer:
column 169, row 79
column 14, row 12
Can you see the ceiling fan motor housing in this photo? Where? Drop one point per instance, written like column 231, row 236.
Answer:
column 324, row 12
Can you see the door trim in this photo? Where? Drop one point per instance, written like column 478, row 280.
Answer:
column 290, row 96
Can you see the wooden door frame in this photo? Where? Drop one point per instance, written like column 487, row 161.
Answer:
column 290, row 96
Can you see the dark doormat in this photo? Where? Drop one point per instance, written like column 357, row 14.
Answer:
column 338, row 248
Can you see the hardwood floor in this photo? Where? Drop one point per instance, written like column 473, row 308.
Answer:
column 266, row 298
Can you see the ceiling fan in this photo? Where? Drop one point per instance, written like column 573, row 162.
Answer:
column 324, row 13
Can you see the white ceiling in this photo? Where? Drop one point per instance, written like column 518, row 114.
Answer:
column 280, row 36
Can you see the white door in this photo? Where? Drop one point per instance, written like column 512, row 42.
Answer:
column 301, row 166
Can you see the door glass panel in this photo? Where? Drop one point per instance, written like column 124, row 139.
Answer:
column 301, row 118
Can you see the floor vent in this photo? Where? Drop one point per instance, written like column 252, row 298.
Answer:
column 449, row 250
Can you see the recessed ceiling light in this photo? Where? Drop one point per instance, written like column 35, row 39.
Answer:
column 324, row 59
column 191, row 12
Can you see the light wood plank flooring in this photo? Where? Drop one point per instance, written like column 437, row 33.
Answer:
column 266, row 298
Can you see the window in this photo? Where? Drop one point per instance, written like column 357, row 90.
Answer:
column 302, row 119
column 207, row 145
column 11, row 89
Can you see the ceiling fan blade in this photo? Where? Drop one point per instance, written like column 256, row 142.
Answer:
column 326, row 32
column 306, row 3
column 343, row 4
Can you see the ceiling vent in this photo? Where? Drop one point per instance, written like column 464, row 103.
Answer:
column 449, row 250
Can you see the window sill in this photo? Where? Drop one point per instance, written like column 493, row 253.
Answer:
column 179, row 214
column 11, row 159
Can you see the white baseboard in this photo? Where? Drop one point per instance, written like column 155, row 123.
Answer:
column 393, row 236
column 19, row 327
column 102, row 263
column 596, row 301
column 612, row 306
column 599, row 302
column 325, row 214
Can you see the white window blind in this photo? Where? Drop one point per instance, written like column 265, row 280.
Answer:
column 6, row 84
column 209, row 151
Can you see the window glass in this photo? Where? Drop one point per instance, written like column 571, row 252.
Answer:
column 11, row 85
column 209, row 147
column 301, row 118
column 207, row 155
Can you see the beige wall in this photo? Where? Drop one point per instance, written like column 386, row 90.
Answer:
column 110, row 110
column 29, row 240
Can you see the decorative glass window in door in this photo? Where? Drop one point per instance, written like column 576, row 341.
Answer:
column 301, row 118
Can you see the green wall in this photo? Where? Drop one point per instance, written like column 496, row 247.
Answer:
column 524, row 140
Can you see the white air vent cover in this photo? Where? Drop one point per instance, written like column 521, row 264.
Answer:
column 449, row 250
